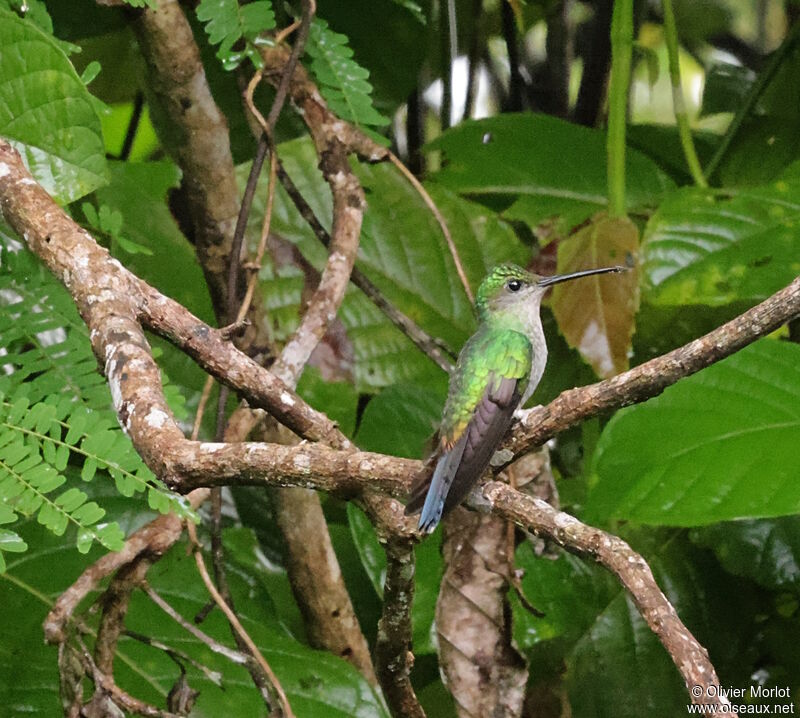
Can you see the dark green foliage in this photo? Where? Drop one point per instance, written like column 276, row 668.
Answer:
column 716, row 430
column 227, row 23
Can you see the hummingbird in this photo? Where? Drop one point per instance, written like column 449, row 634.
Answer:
column 497, row 371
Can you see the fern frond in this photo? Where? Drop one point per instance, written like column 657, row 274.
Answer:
column 56, row 419
column 343, row 82
column 227, row 23
column 10, row 541
column 27, row 483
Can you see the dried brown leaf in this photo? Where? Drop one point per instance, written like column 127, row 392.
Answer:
column 596, row 315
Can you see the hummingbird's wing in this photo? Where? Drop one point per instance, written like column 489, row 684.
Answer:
column 485, row 390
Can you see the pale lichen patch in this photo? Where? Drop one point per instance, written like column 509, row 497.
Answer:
column 156, row 418
column 302, row 463
column 287, row 399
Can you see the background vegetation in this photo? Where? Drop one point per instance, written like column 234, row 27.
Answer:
column 701, row 480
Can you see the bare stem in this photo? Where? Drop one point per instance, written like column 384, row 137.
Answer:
column 678, row 104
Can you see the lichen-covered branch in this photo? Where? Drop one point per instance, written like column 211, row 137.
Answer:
column 690, row 658
column 651, row 378
column 393, row 657
column 195, row 132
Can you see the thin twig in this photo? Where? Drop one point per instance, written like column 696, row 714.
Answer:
column 235, row 623
column 229, row 653
column 178, row 656
column 273, row 168
column 106, row 687
column 431, row 205
column 433, row 348
column 201, row 407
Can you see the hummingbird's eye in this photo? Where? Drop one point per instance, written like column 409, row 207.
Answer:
column 513, row 285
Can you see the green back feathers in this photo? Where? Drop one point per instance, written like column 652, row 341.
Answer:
column 489, row 355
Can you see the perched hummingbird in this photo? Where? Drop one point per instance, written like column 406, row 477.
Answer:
column 497, row 371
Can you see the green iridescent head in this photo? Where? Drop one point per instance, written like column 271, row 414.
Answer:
column 504, row 286
column 508, row 285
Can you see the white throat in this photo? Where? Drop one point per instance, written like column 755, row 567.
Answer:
column 532, row 323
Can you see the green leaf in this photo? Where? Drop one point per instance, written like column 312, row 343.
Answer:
column 343, row 82
column 662, row 144
column 726, row 87
column 227, row 22
column 538, row 167
column 11, row 542
column 369, row 548
column 766, row 550
column 713, row 247
column 47, row 113
column 400, row 421
column 689, row 456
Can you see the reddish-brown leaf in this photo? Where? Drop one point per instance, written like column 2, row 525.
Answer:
column 596, row 314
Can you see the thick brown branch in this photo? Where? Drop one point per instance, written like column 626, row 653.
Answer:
column 195, row 133
column 393, row 657
column 690, row 658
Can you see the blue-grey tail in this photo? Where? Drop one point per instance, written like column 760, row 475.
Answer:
column 446, row 469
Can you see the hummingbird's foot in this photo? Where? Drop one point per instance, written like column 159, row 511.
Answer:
column 501, row 458
column 523, row 414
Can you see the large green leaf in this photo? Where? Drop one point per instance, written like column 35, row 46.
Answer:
column 402, row 251
column 713, row 247
column 765, row 143
column 592, row 627
column 47, row 113
column 540, row 167
column 766, row 550
column 719, row 445
column 400, row 421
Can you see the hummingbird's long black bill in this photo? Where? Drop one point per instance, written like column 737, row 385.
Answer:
column 558, row 278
